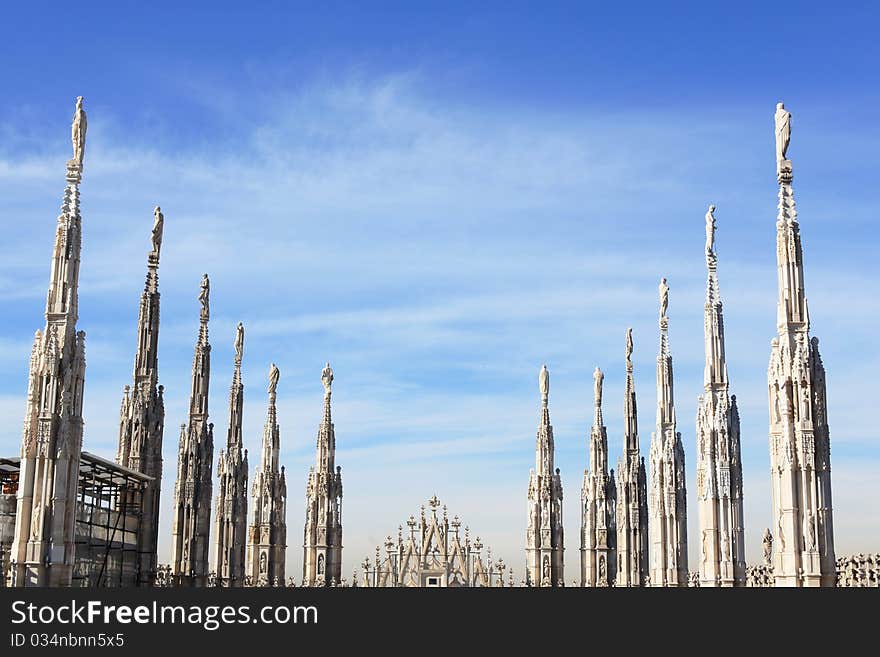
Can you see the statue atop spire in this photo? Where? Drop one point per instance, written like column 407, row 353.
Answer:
column 327, row 378
column 274, row 375
column 710, row 229
column 78, row 132
column 664, row 298
column 204, row 298
column 598, row 379
column 782, row 119
column 239, row 344
column 544, row 384
column 158, row 225
column 629, row 349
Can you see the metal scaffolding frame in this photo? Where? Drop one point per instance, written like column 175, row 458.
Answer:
column 109, row 519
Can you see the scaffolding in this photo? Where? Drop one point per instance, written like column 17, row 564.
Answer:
column 109, row 519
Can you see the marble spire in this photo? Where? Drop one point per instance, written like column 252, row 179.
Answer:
column 544, row 537
column 800, row 452
column 667, row 497
column 267, row 534
column 43, row 550
column 719, row 467
column 191, row 524
column 230, row 525
column 632, row 503
column 598, row 504
column 142, row 415
column 322, row 542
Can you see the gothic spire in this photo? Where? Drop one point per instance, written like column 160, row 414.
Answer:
column 232, row 473
column 667, row 496
column 267, row 534
column 192, row 492
column 236, row 395
column 799, row 437
column 719, row 469
column 598, row 501
column 142, row 416
column 322, row 547
column 544, row 534
column 43, row 549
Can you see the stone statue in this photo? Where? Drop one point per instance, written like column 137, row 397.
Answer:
column 544, row 382
column 629, row 347
column 78, row 131
column 204, row 295
column 239, row 342
column 783, row 131
column 811, row 531
column 664, row 297
column 602, row 569
column 598, row 378
column 768, row 545
column 274, row 375
column 327, row 378
column 710, row 229
column 781, row 533
column 158, row 224
column 262, row 562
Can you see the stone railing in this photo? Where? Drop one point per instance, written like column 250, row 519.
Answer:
column 759, row 576
column 859, row 570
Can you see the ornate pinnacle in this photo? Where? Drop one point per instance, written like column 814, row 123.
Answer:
column 434, row 502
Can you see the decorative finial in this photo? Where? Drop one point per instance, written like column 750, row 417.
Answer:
column 544, row 384
column 327, row 378
column 598, row 379
column 710, row 229
column 204, row 298
column 434, row 501
column 78, row 132
column 274, row 375
column 239, row 343
column 783, row 133
column 664, row 298
column 158, row 225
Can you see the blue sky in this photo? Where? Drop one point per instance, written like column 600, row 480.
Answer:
column 438, row 200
